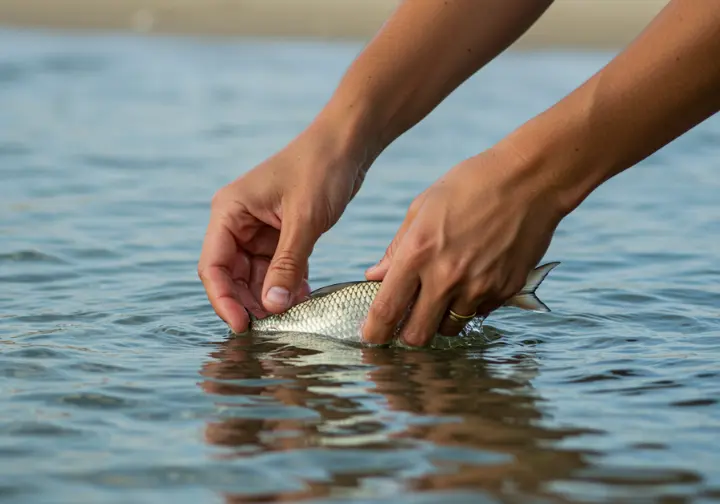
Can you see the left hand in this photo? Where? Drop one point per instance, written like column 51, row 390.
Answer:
column 467, row 244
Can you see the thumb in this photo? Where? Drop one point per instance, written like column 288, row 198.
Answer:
column 286, row 272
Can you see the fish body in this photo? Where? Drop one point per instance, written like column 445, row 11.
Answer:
column 339, row 310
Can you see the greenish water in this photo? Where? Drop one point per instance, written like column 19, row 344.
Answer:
column 119, row 384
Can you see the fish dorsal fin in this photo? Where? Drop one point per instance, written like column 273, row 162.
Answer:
column 329, row 289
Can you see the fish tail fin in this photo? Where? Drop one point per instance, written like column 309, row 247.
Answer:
column 526, row 299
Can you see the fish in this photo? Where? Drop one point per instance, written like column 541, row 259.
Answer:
column 339, row 310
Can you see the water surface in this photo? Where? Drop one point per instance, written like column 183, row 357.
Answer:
column 119, row 384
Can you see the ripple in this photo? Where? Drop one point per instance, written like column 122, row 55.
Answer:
column 695, row 402
column 48, row 317
column 97, row 367
column 92, row 253
column 244, row 479
column 638, row 476
column 31, row 256
column 38, row 429
column 35, row 278
column 23, row 370
column 138, row 163
column 94, row 400
column 121, row 384
column 37, row 353
column 134, row 320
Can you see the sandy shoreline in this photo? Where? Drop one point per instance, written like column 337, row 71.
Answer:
column 572, row 23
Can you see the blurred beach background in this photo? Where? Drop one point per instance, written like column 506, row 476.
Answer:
column 118, row 383
column 572, row 23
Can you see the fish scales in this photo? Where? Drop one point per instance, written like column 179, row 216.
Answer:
column 339, row 310
column 339, row 313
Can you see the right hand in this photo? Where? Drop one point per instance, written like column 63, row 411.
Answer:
column 263, row 226
column 467, row 244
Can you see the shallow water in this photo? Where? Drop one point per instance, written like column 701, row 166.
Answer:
column 119, row 384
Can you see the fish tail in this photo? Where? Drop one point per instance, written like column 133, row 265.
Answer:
column 526, row 299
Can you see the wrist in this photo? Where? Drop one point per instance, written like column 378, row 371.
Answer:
column 561, row 156
column 350, row 129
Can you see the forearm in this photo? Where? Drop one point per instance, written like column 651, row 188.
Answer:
column 662, row 85
column 423, row 52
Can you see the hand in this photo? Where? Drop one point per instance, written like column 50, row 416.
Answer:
column 467, row 244
column 263, row 226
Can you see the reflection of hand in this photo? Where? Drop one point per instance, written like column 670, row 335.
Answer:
column 264, row 225
column 238, row 360
column 467, row 244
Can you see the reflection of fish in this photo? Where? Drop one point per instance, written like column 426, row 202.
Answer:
column 339, row 310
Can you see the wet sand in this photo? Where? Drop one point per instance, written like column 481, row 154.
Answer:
column 572, row 23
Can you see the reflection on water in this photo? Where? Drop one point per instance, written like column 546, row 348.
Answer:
column 119, row 384
column 344, row 421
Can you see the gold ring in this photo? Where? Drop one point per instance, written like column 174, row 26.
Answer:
column 461, row 318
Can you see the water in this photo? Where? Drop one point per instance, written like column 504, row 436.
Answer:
column 119, row 384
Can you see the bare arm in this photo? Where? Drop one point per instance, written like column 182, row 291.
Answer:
column 662, row 85
column 281, row 207
column 425, row 50
column 469, row 241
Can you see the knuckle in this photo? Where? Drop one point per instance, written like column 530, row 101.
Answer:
column 480, row 289
column 414, row 207
column 413, row 337
column 391, row 249
column 447, row 275
column 285, row 263
column 383, row 312
column 419, row 331
column 218, row 199
column 419, row 248
column 492, row 287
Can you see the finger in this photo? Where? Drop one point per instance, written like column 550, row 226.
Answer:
column 258, row 271
column 391, row 303
column 425, row 317
column 304, row 291
column 463, row 307
column 219, row 262
column 262, row 242
column 378, row 271
column 487, row 307
column 224, row 294
column 288, row 266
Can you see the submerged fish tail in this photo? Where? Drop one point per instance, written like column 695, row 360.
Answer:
column 526, row 299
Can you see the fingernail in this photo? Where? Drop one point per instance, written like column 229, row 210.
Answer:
column 278, row 296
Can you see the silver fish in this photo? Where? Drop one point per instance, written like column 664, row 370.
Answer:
column 339, row 310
